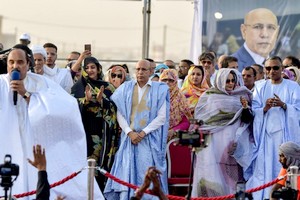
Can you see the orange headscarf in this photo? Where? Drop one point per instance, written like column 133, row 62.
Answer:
column 179, row 106
column 191, row 91
column 116, row 82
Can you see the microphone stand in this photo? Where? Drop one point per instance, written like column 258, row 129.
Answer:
column 201, row 144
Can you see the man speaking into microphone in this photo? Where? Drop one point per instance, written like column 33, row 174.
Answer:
column 15, row 75
column 44, row 114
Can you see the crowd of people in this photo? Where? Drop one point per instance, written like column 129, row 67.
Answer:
column 249, row 103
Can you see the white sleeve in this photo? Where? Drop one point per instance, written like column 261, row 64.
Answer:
column 123, row 123
column 158, row 121
column 68, row 82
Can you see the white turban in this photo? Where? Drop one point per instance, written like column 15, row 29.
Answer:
column 291, row 151
column 39, row 49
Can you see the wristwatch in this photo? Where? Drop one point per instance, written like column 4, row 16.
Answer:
column 284, row 106
column 27, row 95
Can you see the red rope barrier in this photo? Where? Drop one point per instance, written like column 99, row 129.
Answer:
column 233, row 196
column 51, row 186
column 108, row 175
column 171, row 197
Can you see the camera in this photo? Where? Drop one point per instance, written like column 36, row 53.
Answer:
column 194, row 138
column 285, row 194
column 7, row 170
column 241, row 193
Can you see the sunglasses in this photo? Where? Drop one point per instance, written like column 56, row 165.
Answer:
column 167, row 80
column 285, row 77
column 120, row 76
column 230, row 80
column 275, row 68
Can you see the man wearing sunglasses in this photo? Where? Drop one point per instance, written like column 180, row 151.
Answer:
column 259, row 30
column 276, row 107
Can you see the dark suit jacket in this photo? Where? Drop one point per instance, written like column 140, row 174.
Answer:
column 43, row 187
column 244, row 58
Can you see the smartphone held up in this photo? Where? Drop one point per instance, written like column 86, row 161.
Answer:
column 87, row 47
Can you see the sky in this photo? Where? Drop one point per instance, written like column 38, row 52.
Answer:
column 114, row 28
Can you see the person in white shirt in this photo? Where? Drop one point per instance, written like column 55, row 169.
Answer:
column 59, row 75
column 43, row 114
column 143, row 114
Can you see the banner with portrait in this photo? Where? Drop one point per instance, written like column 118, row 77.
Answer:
column 222, row 23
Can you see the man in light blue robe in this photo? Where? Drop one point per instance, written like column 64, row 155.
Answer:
column 276, row 105
column 143, row 114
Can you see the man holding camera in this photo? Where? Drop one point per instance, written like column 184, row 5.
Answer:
column 289, row 155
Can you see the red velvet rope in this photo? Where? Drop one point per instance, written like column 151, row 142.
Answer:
column 51, row 186
column 183, row 198
column 108, row 175
column 171, row 197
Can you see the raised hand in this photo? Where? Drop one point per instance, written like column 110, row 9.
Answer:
column 39, row 156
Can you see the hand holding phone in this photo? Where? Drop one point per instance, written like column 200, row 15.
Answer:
column 87, row 47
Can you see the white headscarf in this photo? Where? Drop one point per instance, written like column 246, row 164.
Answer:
column 218, row 107
column 222, row 75
column 38, row 49
column 291, row 151
column 297, row 73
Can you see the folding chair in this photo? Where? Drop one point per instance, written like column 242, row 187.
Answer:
column 179, row 164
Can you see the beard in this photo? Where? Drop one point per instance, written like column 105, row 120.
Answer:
column 181, row 76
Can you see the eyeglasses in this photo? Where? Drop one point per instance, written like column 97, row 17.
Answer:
column 260, row 27
column 206, row 61
column 275, row 68
column 285, row 77
column 247, row 75
column 167, row 80
column 120, row 76
column 230, row 80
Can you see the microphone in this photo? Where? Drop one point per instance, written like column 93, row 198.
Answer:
column 15, row 75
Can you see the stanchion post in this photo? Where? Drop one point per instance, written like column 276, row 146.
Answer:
column 91, row 175
column 293, row 176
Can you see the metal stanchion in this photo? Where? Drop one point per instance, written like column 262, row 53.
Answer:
column 293, row 176
column 91, row 179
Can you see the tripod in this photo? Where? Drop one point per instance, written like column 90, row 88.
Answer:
column 196, row 139
column 191, row 173
column 6, row 183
